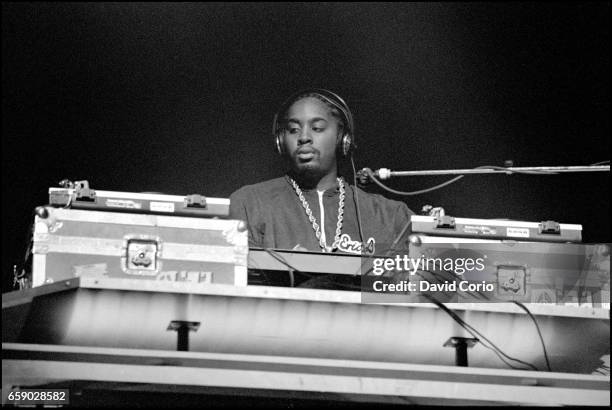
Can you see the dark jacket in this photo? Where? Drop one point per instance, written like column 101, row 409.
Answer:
column 276, row 218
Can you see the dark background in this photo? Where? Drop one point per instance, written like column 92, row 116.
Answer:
column 179, row 98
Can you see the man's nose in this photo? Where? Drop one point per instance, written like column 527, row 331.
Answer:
column 304, row 136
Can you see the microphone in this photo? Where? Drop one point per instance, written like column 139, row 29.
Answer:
column 365, row 175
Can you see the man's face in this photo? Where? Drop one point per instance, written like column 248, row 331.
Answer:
column 310, row 137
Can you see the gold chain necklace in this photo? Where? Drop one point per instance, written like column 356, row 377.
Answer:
column 313, row 220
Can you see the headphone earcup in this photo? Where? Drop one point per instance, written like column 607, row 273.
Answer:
column 346, row 144
column 278, row 145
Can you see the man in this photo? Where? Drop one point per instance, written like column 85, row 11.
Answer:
column 312, row 207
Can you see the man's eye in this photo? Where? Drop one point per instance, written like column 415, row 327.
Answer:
column 318, row 129
column 293, row 130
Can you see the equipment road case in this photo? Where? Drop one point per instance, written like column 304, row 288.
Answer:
column 69, row 243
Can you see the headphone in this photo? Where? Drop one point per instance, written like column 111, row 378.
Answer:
column 345, row 145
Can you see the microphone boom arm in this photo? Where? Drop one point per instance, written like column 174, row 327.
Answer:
column 385, row 173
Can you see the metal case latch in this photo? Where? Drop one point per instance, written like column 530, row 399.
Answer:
column 445, row 222
column 141, row 255
column 82, row 192
column 550, row 227
column 511, row 280
column 195, row 201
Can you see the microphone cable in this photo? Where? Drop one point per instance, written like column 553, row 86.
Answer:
column 476, row 334
column 519, row 304
column 356, row 198
column 290, row 269
column 422, row 191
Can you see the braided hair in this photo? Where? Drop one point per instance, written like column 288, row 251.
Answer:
column 335, row 112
